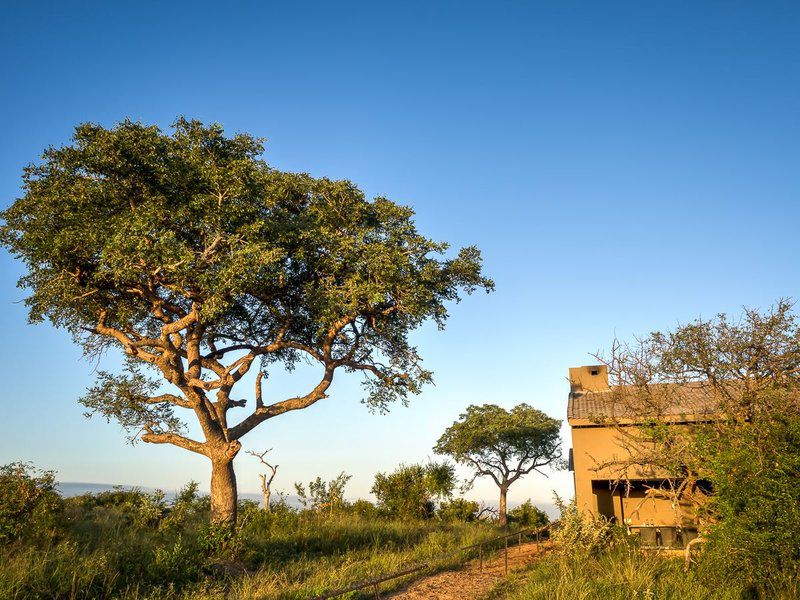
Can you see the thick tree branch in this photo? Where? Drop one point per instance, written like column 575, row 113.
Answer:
column 175, row 440
column 259, row 397
column 263, row 413
column 482, row 470
column 171, row 398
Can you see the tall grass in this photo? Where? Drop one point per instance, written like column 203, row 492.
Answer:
column 618, row 574
column 597, row 560
column 128, row 550
column 387, row 547
column 594, row 559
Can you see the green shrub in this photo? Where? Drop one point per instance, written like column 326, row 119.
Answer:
column 364, row 509
column 177, row 564
column 410, row 491
column 220, row 540
column 580, row 535
column 28, row 500
column 756, row 479
column 141, row 509
column 188, row 505
column 528, row 515
column 458, row 510
column 321, row 494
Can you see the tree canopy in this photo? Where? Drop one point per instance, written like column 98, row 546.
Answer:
column 502, row 444
column 199, row 260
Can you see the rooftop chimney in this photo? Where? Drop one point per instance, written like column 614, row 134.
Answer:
column 592, row 378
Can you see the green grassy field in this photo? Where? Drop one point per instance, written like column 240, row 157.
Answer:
column 132, row 545
column 135, row 545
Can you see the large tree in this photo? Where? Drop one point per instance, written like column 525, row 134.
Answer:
column 502, row 444
column 201, row 262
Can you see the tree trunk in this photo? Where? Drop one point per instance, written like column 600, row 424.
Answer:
column 265, row 491
column 502, row 519
column 223, row 492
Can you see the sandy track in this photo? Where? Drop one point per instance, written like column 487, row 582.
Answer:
column 469, row 582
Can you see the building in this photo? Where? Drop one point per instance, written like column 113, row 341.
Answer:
column 607, row 482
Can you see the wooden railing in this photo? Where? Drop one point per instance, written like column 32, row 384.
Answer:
column 530, row 532
column 374, row 584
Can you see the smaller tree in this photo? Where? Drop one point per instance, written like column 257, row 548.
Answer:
column 502, row 444
column 266, row 480
column 323, row 494
column 410, row 490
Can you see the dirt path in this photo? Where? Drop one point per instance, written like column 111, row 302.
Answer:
column 469, row 582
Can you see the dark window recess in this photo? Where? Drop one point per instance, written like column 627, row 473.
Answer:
column 595, row 372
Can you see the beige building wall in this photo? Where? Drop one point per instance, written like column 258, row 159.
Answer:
column 594, row 446
column 603, row 487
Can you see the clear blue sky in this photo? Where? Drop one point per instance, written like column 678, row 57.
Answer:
column 623, row 166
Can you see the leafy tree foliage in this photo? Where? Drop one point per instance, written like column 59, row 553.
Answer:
column 411, row 490
column 199, row 261
column 756, row 503
column 502, row 444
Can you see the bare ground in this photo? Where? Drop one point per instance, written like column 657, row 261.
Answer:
column 470, row 581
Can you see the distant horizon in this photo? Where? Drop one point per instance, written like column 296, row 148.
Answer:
column 79, row 488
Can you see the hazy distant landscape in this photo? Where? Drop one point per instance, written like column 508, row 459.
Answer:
column 77, row 488
column 69, row 489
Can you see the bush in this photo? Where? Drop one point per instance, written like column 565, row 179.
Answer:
column 141, row 509
column 187, row 505
column 365, row 509
column 410, row 491
column 28, row 500
column 756, row 478
column 458, row 510
column 528, row 515
column 220, row 540
column 323, row 495
column 580, row 535
column 177, row 564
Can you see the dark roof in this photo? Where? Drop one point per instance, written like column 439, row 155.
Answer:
column 692, row 401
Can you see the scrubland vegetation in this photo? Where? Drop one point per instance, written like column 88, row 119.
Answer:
column 132, row 544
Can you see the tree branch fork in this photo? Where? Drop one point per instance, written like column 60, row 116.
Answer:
column 177, row 354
